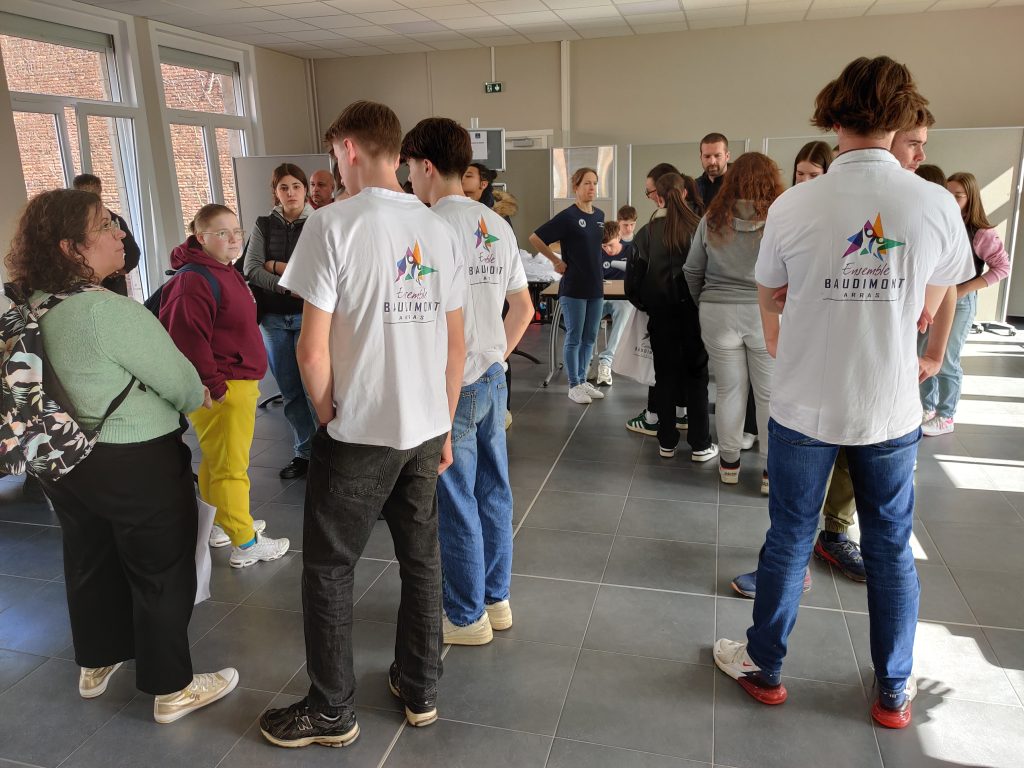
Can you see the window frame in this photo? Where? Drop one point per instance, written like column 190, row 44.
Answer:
column 242, row 56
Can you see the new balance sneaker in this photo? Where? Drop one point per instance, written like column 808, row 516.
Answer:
column 418, row 712
column 477, row 633
column 579, row 395
column 92, row 681
column 937, row 425
column 204, row 689
column 732, row 658
column 265, row 549
column 594, row 392
column 500, row 614
column 641, row 425
column 765, row 487
column 604, row 374
column 843, row 554
column 300, row 725
column 707, row 454
column 666, row 453
column 220, row 539
column 747, row 441
column 682, row 422
column 746, row 583
column 729, row 473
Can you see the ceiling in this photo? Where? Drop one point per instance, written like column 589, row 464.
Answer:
column 339, row 28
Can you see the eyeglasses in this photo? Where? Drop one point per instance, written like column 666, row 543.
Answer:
column 650, row 193
column 113, row 226
column 226, row 234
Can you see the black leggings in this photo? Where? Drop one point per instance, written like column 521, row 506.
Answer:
column 129, row 522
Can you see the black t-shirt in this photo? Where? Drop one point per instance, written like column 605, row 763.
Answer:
column 614, row 273
column 580, row 235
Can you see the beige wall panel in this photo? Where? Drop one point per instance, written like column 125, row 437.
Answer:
column 283, row 104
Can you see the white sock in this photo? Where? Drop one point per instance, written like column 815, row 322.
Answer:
column 680, row 411
column 651, row 417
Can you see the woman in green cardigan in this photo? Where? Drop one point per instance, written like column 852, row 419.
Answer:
column 128, row 510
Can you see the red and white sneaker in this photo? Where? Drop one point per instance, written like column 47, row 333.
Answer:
column 731, row 657
column 894, row 711
column 937, row 425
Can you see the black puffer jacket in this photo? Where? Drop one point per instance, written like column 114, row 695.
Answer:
column 654, row 273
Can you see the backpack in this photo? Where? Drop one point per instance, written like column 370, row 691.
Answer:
column 153, row 302
column 38, row 432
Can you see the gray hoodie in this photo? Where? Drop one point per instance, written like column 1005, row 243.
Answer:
column 720, row 269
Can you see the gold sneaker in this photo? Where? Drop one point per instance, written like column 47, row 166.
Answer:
column 500, row 615
column 92, row 681
column 204, row 689
column 477, row 633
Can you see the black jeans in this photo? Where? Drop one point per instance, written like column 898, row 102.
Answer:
column 681, row 368
column 129, row 522
column 348, row 486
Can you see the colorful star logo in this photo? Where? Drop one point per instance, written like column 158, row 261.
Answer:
column 411, row 266
column 871, row 240
column 483, row 236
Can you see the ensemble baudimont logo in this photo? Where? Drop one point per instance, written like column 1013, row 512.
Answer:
column 867, row 271
column 413, row 301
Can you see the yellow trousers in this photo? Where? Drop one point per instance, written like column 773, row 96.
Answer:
column 225, row 438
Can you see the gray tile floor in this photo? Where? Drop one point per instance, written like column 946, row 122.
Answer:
column 622, row 570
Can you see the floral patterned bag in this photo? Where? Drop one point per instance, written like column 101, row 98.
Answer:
column 38, row 432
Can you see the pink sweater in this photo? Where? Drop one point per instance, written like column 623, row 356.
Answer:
column 989, row 248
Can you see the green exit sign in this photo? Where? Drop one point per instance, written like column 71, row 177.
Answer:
column 492, row 87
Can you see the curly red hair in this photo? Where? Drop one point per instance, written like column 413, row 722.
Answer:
column 752, row 176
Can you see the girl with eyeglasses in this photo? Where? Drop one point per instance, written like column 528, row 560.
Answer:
column 217, row 331
column 940, row 394
column 127, row 511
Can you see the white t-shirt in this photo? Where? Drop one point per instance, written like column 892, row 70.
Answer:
column 493, row 269
column 857, row 247
column 387, row 269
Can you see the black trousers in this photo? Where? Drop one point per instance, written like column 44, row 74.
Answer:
column 129, row 522
column 681, row 370
column 348, row 486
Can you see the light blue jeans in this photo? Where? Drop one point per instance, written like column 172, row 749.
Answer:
column 883, row 483
column 582, row 319
column 281, row 335
column 620, row 312
column 941, row 393
column 475, row 503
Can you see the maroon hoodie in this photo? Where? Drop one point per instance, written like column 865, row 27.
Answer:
column 223, row 342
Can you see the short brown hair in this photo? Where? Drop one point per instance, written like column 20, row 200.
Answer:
column 610, row 231
column 715, row 138
column 626, row 213
column 443, row 142
column 36, row 261
column 87, row 181
column 660, row 170
column 373, row 126
column 205, row 215
column 870, row 97
column 932, row 173
column 580, row 174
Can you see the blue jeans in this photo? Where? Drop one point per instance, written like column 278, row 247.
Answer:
column 620, row 312
column 883, row 483
column 582, row 319
column 475, row 503
column 281, row 335
column 941, row 393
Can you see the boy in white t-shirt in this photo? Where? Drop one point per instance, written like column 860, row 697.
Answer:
column 859, row 248
column 474, row 495
column 381, row 355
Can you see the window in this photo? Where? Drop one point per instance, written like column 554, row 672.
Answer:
column 205, row 110
column 68, row 114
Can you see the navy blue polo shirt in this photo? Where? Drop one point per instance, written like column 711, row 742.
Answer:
column 580, row 235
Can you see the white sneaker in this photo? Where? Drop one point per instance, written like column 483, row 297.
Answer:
column 604, row 374
column 203, row 690
column 594, row 392
column 732, row 658
column 477, row 633
column 706, row 455
column 220, row 539
column 728, row 475
column 579, row 395
column 500, row 615
column 927, row 415
column 748, row 440
column 937, row 425
column 666, row 453
column 265, row 549
column 765, row 486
